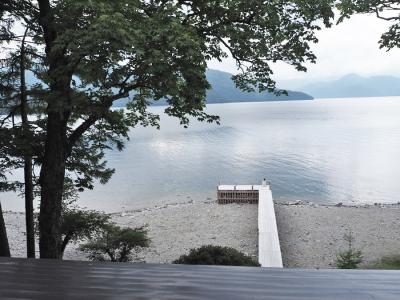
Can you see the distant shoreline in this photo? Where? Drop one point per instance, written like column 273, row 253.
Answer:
column 157, row 104
column 378, row 98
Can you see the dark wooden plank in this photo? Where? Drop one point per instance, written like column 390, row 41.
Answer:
column 43, row 279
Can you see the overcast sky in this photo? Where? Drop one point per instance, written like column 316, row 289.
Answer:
column 351, row 47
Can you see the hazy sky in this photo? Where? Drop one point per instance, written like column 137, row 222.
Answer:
column 351, row 47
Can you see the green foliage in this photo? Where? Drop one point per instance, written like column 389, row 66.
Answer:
column 216, row 255
column 5, row 184
column 390, row 262
column 160, row 49
column 116, row 244
column 350, row 258
column 384, row 9
column 16, row 142
column 80, row 224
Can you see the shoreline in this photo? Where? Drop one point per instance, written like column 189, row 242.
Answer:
column 310, row 234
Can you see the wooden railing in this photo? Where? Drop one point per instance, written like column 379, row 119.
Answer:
column 237, row 196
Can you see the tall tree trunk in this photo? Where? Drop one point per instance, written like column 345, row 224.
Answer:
column 52, row 172
column 4, row 247
column 30, row 225
column 30, row 232
column 52, row 185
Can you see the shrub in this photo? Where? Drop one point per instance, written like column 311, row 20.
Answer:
column 116, row 244
column 79, row 224
column 216, row 255
column 350, row 258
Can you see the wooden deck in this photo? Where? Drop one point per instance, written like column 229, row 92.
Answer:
column 237, row 196
column 45, row 280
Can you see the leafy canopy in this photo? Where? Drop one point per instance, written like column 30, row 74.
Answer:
column 148, row 50
column 388, row 10
column 116, row 244
column 81, row 224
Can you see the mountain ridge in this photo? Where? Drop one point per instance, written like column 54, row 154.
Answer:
column 224, row 91
column 354, row 85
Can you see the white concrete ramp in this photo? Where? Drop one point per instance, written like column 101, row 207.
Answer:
column 269, row 249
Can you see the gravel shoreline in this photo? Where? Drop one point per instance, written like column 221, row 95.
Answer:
column 310, row 235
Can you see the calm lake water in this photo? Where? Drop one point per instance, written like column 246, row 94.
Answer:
column 324, row 151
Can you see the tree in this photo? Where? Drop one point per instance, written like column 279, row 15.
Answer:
column 387, row 10
column 17, row 102
column 79, row 224
column 216, row 255
column 116, row 244
column 4, row 246
column 20, row 146
column 22, row 142
column 94, row 53
column 350, row 258
column 5, row 186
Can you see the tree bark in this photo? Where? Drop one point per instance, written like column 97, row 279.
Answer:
column 28, row 180
column 52, row 185
column 4, row 247
column 30, row 225
column 65, row 242
column 52, row 172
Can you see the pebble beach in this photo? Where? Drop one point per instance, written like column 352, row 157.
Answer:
column 310, row 235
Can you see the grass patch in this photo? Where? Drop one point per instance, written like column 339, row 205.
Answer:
column 390, row 262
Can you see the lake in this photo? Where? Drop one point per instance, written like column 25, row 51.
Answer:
column 324, row 151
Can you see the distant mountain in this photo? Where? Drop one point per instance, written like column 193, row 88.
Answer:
column 224, row 91
column 354, row 85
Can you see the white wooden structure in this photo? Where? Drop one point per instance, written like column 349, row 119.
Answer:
column 269, row 250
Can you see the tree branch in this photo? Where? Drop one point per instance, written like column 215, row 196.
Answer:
column 105, row 106
column 385, row 18
column 46, row 19
column 10, row 115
